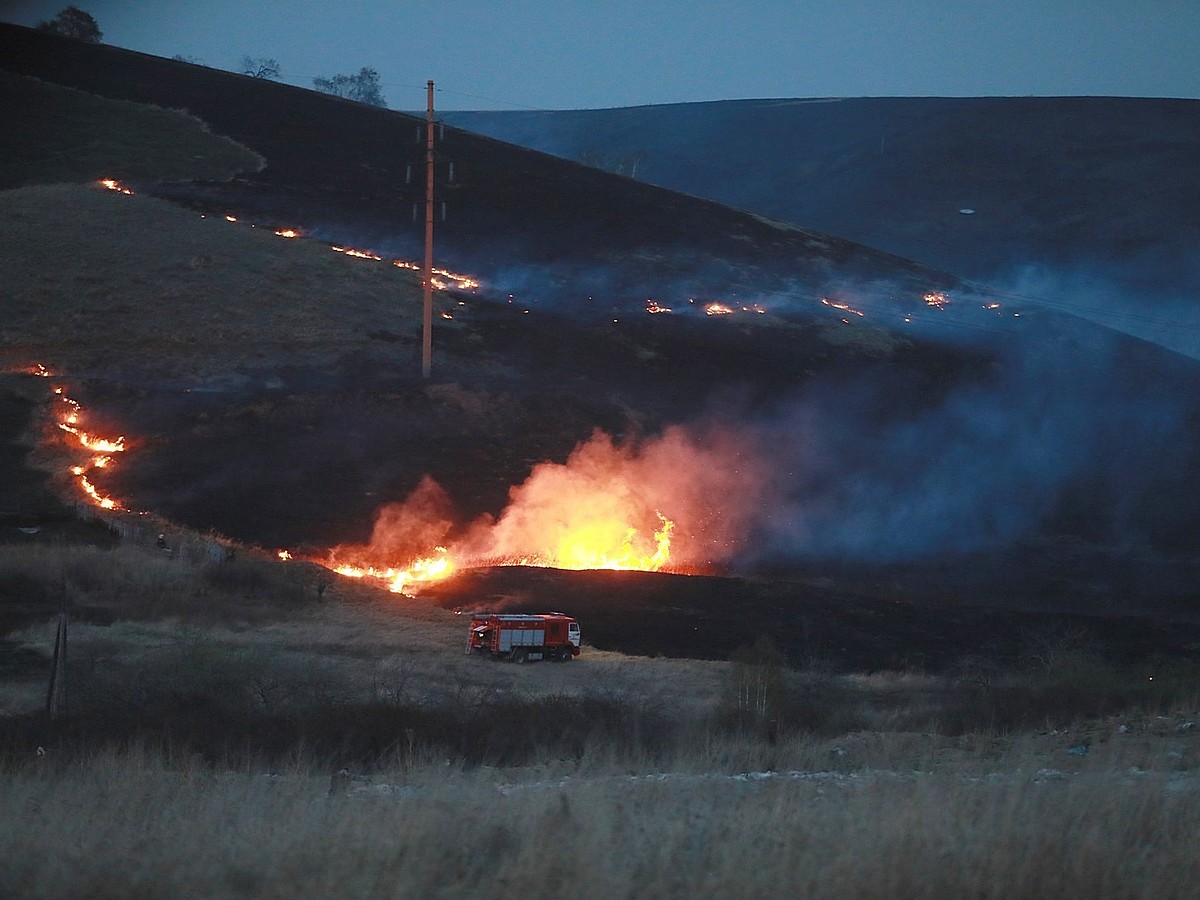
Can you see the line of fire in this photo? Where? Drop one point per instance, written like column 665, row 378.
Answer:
column 614, row 540
column 605, row 507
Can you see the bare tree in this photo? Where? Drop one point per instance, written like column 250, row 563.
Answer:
column 260, row 67
column 757, row 683
column 73, row 22
column 363, row 87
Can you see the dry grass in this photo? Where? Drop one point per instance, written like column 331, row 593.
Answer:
column 201, row 753
column 95, row 280
column 138, row 583
column 54, row 134
column 91, row 278
column 134, row 823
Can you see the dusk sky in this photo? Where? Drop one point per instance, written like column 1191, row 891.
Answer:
column 567, row 54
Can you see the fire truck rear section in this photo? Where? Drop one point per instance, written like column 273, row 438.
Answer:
column 524, row 638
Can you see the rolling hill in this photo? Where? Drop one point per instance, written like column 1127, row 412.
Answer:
column 932, row 551
column 842, row 418
column 1086, row 204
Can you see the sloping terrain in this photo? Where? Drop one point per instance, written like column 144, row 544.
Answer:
column 852, row 425
column 231, row 723
column 54, row 134
column 353, row 173
column 1090, row 204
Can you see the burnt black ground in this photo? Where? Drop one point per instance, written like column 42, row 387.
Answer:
column 845, row 628
column 341, row 169
column 303, row 455
column 1049, row 179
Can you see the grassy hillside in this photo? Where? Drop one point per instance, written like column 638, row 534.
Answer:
column 1086, row 205
column 233, row 732
column 54, row 134
column 94, row 279
column 1071, row 181
column 237, row 725
column 514, row 216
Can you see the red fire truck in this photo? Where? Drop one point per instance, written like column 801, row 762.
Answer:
column 524, row 637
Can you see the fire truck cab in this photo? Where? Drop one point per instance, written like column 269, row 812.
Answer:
column 523, row 638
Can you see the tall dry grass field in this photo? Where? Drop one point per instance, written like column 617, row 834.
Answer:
column 212, row 708
column 128, row 823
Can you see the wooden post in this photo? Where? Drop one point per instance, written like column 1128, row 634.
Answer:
column 427, row 271
column 56, row 696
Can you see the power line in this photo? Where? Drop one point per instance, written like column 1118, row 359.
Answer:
column 511, row 103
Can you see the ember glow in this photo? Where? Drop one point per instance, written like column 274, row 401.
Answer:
column 442, row 279
column 69, row 416
column 717, row 309
column 844, row 307
column 937, row 300
column 357, row 254
column 91, row 441
column 99, row 499
column 402, row 580
column 606, row 544
column 113, row 185
column 653, row 307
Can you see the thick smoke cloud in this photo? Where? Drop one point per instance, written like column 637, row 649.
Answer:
column 1122, row 298
column 709, row 481
column 1078, row 439
column 1066, row 439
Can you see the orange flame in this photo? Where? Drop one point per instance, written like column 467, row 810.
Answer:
column 68, row 422
column 357, row 254
column 653, row 307
column 443, row 282
column 937, row 300
column 461, row 282
column 90, row 489
column 430, row 568
column 91, row 442
column 601, row 509
column 844, row 307
column 113, row 185
column 717, row 309
column 605, row 544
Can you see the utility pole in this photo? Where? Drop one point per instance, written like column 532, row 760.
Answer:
column 56, row 695
column 427, row 271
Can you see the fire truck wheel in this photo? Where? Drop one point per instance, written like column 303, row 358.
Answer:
column 519, row 656
column 564, row 655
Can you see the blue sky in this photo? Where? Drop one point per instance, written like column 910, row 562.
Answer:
column 564, row 54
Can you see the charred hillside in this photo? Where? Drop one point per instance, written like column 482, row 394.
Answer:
column 842, row 424
column 1106, row 184
column 342, row 168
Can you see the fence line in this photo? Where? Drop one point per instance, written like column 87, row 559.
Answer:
column 145, row 531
